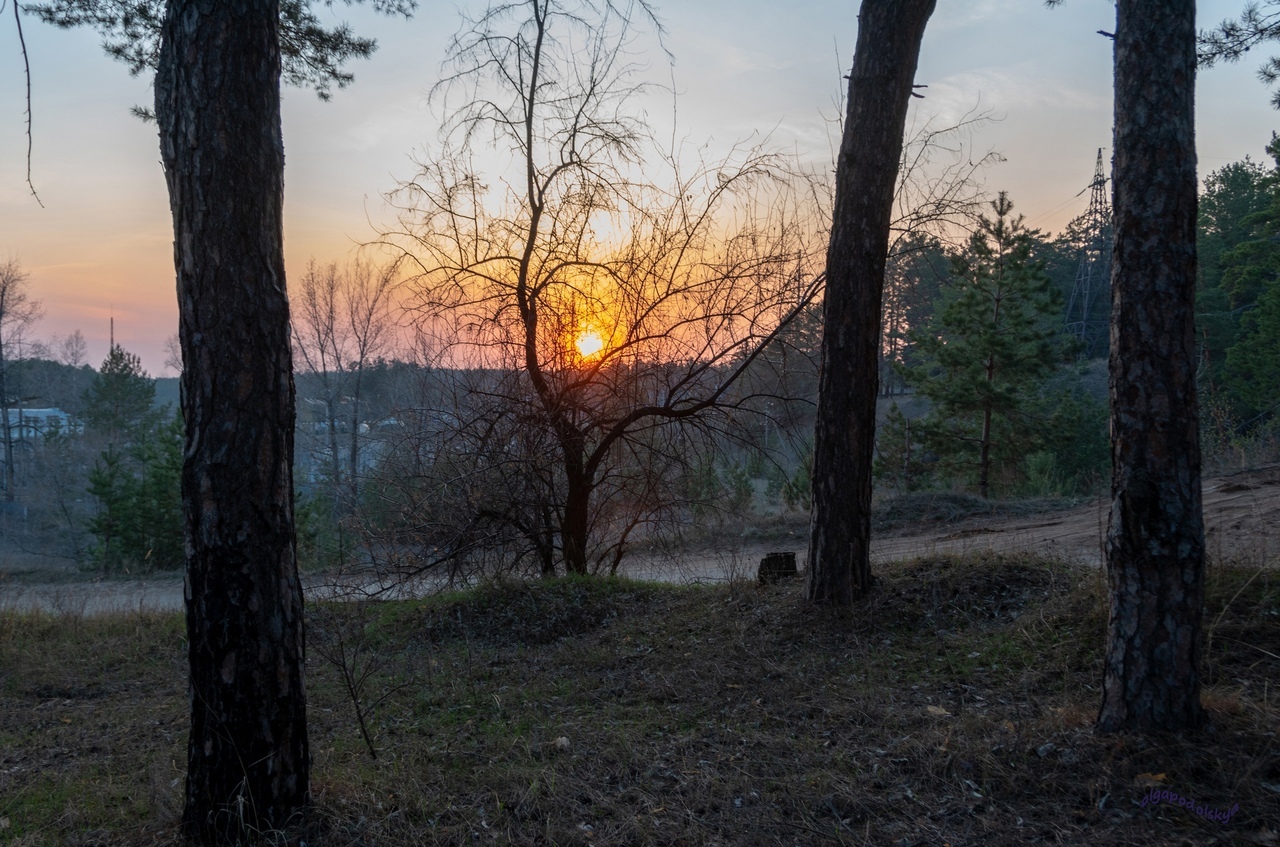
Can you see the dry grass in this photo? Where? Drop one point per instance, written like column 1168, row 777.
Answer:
column 954, row 707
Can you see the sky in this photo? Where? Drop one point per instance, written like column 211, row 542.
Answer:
column 101, row 244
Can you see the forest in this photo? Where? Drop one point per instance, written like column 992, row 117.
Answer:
column 406, row 491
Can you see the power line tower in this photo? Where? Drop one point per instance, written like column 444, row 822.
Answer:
column 1088, row 312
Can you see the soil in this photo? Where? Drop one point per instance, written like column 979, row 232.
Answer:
column 1241, row 509
column 1241, row 513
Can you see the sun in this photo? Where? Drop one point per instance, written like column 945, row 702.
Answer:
column 588, row 343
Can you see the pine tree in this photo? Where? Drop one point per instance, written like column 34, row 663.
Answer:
column 108, row 483
column 988, row 349
column 1155, row 536
column 156, row 536
column 1253, row 364
column 120, row 398
column 1250, row 274
column 1230, row 206
column 890, row 33
column 136, row 478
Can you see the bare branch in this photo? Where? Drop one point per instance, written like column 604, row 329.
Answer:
column 26, row 67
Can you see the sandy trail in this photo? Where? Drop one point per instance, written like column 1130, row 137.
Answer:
column 1242, row 520
column 1241, row 513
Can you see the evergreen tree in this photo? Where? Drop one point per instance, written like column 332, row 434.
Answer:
column 1155, row 535
column 884, row 67
column 1229, row 202
column 108, row 482
column 156, row 538
column 987, row 350
column 1229, row 210
column 120, row 398
column 898, row 452
column 1253, row 364
column 914, row 277
column 1249, row 257
column 1250, row 282
column 136, row 479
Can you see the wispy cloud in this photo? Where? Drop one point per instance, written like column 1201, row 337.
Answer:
column 951, row 16
column 1021, row 89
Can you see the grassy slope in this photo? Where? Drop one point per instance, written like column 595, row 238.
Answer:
column 954, row 708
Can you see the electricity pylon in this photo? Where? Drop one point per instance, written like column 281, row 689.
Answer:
column 1088, row 312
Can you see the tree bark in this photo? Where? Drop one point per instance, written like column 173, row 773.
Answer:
column 1155, row 537
column 884, row 66
column 575, row 529
column 218, row 108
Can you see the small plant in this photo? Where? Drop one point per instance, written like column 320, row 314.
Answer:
column 739, row 489
column 343, row 640
column 797, row 492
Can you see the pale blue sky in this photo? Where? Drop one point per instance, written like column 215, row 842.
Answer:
column 102, row 242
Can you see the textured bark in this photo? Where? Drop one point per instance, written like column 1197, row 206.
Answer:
column 1155, row 540
column 575, row 529
column 218, row 107
column 884, row 66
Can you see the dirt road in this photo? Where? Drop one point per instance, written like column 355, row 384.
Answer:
column 1242, row 519
column 1241, row 511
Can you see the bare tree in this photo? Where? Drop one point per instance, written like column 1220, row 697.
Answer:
column 342, row 323
column 17, row 314
column 606, row 314
column 173, row 354
column 1155, row 536
column 884, row 66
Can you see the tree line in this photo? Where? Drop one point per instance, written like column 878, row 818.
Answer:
column 976, row 328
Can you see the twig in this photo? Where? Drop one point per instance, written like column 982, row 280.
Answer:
column 26, row 64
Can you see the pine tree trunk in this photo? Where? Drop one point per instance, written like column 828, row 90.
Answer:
column 218, row 108
column 1155, row 540
column 884, row 66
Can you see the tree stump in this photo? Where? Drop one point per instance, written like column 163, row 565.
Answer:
column 775, row 567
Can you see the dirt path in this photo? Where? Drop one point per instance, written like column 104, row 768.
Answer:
column 1242, row 520
column 1241, row 510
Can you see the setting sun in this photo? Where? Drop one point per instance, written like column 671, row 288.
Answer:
column 589, row 343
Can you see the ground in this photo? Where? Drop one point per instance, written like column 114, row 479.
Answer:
column 1242, row 520
column 954, row 707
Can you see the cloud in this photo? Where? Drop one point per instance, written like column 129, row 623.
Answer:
column 952, row 16
column 1018, row 90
